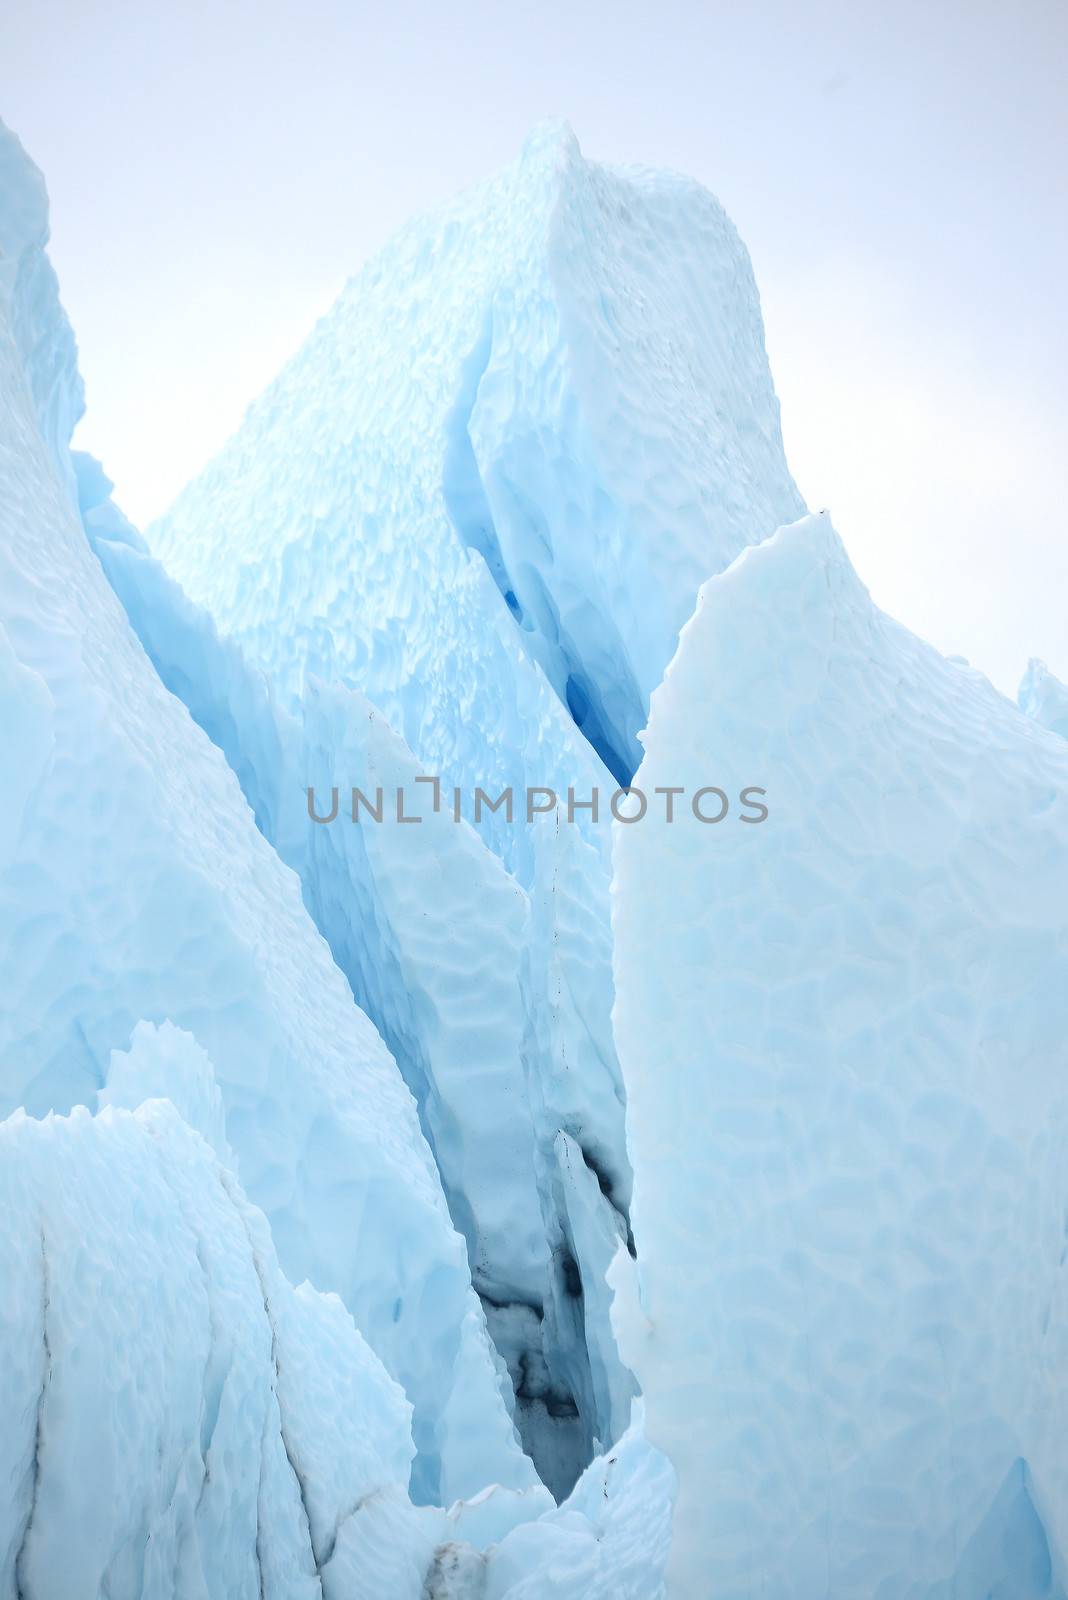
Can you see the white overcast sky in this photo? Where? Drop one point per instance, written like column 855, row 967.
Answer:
column 897, row 170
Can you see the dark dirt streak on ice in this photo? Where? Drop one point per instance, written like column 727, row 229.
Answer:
column 298, row 1476
column 21, row 1591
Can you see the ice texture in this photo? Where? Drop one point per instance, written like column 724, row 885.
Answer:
column 480, row 501
column 608, row 1542
column 496, row 1003
column 1044, row 697
column 166, row 1063
column 135, row 888
column 29, row 298
column 419, row 915
column 798, row 1143
column 578, row 1112
column 842, row 1032
column 178, row 1419
column 485, row 491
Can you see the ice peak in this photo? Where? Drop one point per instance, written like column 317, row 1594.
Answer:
column 29, row 301
column 24, row 215
column 1044, row 697
column 551, row 143
column 564, row 369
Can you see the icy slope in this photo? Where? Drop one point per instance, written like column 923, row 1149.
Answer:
column 505, row 460
column 134, row 886
column 843, row 1036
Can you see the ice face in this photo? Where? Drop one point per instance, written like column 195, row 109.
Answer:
column 843, row 1036
column 486, row 490
column 497, row 554
column 496, row 1003
column 166, row 1063
column 29, row 300
column 135, row 888
column 177, row 1418
column 609, row 1542
column 534, row 1046
column 459, row 536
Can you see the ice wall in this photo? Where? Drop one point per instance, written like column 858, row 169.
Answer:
column 486, row 490
column 843, row 1036
column 134, row 886
column 178, row 1419
column 459, row 537
column 495, row 1002
column 29, row 298
column 482, row 498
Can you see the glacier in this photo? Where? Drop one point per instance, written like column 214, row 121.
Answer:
column 479, row 1208
column 414, row 546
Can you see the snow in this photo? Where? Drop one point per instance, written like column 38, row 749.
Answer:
column 842, row 1032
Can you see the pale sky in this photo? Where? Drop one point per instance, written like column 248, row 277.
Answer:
column 897, row 170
